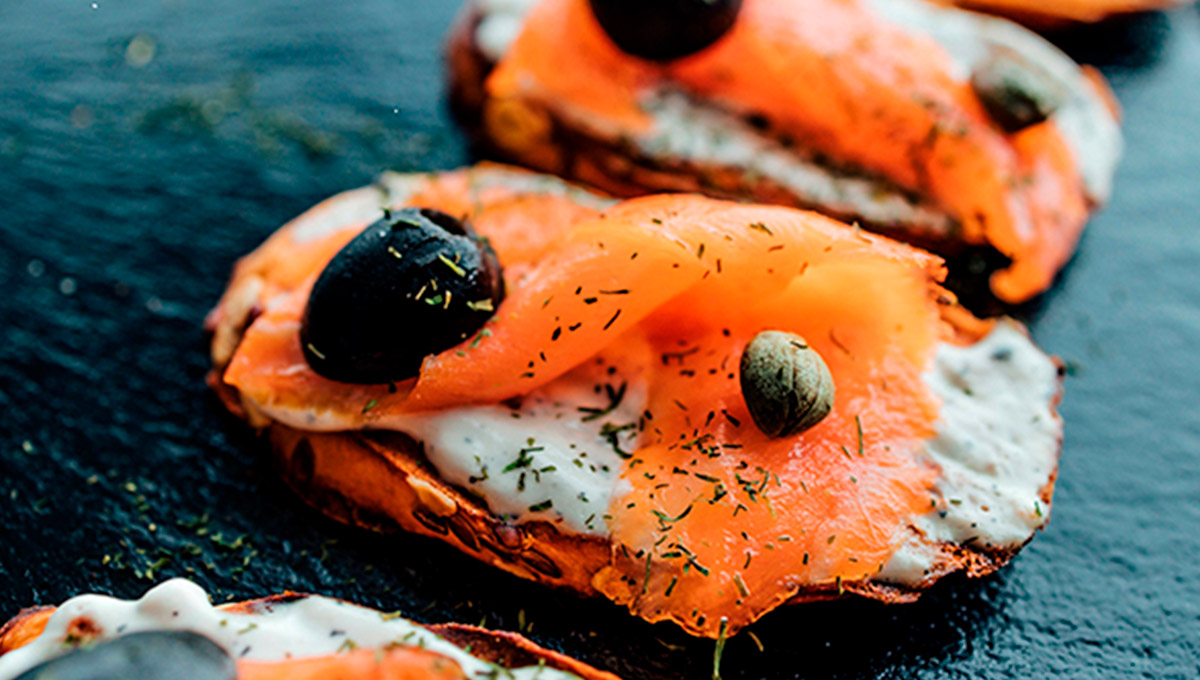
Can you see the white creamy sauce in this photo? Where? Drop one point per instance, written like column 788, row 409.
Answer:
column 551, row 458
column 543, row 460
column 357, row 207
column 705, row 134
column 499, row 24
column 1084, row 119
column 687, row 129
column 997, row 445
column 307, row 627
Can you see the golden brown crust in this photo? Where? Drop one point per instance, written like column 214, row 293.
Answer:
column 377, row 480
column 499, row 647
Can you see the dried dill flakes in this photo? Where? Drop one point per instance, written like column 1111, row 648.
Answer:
column 544, row 505
column 615, row 396
column 720, row 648
column 523, row 459
column 484, row 305
column 485, row 333
column 452, row 266
column 741, row 585
column 370, row 405
column 858, row 426
column 837, row 343
column 667, row 519
column 612, row 320
column 759, row 226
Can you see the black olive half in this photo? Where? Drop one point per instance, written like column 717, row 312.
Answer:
column 662, row 30
column 412, row 284
column 1015, row 92
column 157, row 655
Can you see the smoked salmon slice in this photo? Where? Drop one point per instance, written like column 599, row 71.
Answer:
column 617, row 350
column 869, row 110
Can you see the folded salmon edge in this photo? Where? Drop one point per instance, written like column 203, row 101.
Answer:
column 378, row 480
column 503, row 648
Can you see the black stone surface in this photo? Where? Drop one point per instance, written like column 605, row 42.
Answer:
column 132, row 177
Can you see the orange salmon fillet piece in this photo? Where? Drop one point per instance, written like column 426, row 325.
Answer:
column 843, row 82
column 397, row 663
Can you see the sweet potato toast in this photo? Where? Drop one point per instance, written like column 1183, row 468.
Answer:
column 287, row 636
column 897, row 114
column 939, row 455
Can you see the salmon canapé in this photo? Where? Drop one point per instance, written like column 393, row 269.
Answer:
column 599, row 425
column 174, row 629
column 945, row 128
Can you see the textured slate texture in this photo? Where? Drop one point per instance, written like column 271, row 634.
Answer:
column 132, row 177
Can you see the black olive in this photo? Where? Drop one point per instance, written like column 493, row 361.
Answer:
column 662, row 30
column 1015, row 92
column 412, row 284
column 157, row 655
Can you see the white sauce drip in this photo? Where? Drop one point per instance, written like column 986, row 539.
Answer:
column 471, row 446
column 704, row 134
column 996, row 445
column 312, row 626
column 499, row 24
column 560, row 457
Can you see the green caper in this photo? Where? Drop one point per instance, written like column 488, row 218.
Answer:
column 1016, row 92
column 786, row 384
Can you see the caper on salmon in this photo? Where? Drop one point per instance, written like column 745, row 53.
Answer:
column 155, row 655
column 787, row 386
column 662, row 30
column 1015, row 92
column 412, row 284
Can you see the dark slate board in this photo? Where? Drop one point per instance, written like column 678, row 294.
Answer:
column 127, row 192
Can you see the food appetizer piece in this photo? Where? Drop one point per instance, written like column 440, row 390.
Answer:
column 173, row 631
column 1060, row 13
column 934, row 125
column 699, row 409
